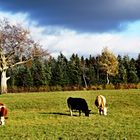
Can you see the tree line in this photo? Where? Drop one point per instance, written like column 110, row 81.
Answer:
column 74, row 73
column 25, row 66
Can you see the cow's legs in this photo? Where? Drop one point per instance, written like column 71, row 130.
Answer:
column 102, row 112
column 105, row 111
column 2, row 121
column 71, row 112
column 98, row 111
column 79, row 112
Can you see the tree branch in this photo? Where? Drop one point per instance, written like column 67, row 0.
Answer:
column 7, row 78
column 10, row 55
column 19, row 63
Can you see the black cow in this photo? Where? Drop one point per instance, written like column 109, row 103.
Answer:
column 78, row 104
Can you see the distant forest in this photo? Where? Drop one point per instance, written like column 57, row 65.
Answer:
column 26, row 66
column 75, row 73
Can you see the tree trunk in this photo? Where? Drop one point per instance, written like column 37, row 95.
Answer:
column 84, row 75
column 107, row 78
column 4, row 82
column 85, row 80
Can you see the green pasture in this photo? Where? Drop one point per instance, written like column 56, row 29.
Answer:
column 45, row 116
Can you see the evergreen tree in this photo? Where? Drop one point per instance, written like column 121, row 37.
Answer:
column 130, row 67
column 60, row 71
column 88, row 70
column 12, row 80
column 38, row 72
column 132, row 74
column 74, row 70
column 84, row 72
column 97, row 68
column 122, row 72
column 138, row 66
column 92, row 72
column 48, row 72
column 23, row 77
column 53, row 72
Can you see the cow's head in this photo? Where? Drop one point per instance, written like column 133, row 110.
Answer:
column 87, row 113
column 105, row 111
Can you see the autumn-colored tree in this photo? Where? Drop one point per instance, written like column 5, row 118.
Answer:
column 108, row 63
column 16, row 47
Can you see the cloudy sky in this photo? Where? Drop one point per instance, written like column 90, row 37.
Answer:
column 79, row 26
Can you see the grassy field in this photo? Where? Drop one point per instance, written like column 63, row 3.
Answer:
column 45, row 116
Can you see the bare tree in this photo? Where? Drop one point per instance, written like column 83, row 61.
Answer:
column 15, row 42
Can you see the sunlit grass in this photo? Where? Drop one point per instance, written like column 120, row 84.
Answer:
column 45, row 116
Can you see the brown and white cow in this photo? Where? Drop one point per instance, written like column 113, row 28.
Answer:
column 100, row 102
column 3, row 114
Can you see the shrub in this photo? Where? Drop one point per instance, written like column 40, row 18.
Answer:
column 92, row 88
column 99, row 87
column 44, row 88
column 138, row 85
column 109, row 86
column 56, row 88
column 132, row 86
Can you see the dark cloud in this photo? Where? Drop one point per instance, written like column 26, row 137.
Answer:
column 81, row 15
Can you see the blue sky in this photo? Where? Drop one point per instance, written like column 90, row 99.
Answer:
column 79, row 26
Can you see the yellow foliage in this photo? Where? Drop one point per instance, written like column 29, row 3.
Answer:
column 109, row 62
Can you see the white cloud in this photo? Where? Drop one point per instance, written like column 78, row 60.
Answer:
column 14, row 18
column 67, row 41
column 86, row 44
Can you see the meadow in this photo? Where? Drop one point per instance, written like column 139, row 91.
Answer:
column 45, row 116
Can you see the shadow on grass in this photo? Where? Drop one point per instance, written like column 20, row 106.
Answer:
column 59, row 113
column 63, row 114
column 55, row 113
